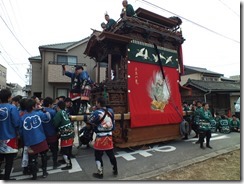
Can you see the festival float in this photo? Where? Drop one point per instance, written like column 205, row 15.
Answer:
column 143, row 59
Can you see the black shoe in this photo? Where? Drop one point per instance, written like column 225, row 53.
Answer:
column 209, row 147
column 202, row 147
column 78, row 147
column 26, row 171
column 115, row 172
column 45, row 174
column 66, row 167
column 97, row 175
column 61, row 161
column 56, row 165
column 34, row 177
column 198, row 142
column 72, row 156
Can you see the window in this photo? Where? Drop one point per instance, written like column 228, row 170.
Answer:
column 67, row 60
column 62, row 92
column 204, row 78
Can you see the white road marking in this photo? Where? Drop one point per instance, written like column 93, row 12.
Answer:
column 75, row 168
column 214, row 137
column 125, row 155
column 164, row 148
column 220, row 137
column 145, row 153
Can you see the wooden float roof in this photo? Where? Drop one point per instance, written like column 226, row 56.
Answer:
column 148, row 15
column 104, row 37
column 145, row 22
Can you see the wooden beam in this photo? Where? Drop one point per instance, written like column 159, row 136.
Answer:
column 116, row 116
column 82, row 117
column 109, row 66
column 98, row 72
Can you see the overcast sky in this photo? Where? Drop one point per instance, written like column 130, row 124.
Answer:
column 211, row 29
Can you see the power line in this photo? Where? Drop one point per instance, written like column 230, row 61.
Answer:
column 14, row 14
column 9, row 56
column 219, row 34
column 12, row 68
column 15, row 36
column 6, row 12
column 8, row 63
column 229, row 8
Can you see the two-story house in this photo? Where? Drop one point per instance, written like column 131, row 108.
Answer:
column 210, row 87
column 197, row 73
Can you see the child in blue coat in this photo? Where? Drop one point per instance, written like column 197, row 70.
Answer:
column 34, row 137
column 9, row 125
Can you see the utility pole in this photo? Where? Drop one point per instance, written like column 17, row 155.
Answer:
column 28, row 75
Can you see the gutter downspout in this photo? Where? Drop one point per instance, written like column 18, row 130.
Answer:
column 43, row 72
column 206, row 95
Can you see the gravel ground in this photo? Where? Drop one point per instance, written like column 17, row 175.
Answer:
column 226, row 167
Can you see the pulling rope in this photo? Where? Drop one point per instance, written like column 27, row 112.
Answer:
column 162, row 70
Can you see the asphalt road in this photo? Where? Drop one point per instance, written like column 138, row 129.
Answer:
column 138, row 163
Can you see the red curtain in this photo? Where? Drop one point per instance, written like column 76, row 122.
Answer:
column 152, row 99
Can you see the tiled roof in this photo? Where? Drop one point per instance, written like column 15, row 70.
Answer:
column 62, row 46
column 35, row 58
column 59, row 45
column 214, row 85
column 193, row 69
column 228, row 79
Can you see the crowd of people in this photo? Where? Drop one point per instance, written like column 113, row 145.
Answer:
column 36, row 126
column 40, row 125
column 203, row 122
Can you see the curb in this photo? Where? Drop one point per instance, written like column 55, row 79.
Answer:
column 150, row 174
